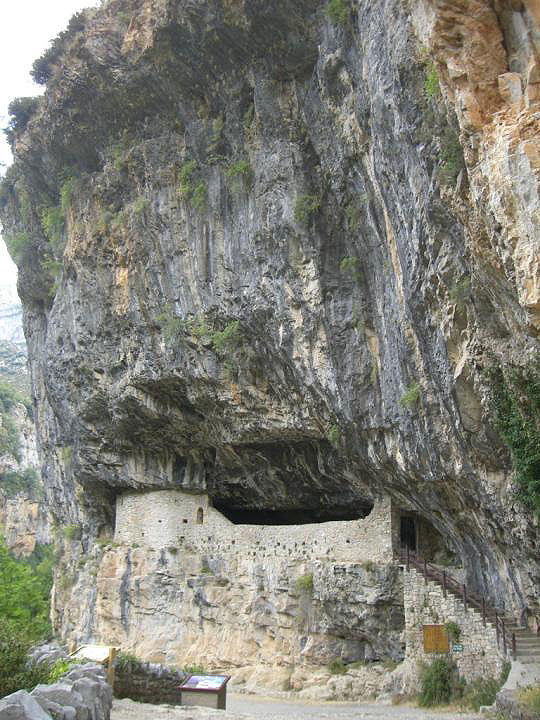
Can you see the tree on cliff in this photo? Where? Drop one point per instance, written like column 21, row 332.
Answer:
column 24, row 594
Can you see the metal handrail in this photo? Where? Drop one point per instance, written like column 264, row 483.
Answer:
column 461, row 591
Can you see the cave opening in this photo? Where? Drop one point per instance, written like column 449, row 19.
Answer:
column 296, row 516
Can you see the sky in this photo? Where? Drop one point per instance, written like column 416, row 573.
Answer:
column 26, row 28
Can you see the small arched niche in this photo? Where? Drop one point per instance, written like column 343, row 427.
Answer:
column 200, row 516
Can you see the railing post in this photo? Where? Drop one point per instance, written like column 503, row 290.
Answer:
column 503, row 635
column 465, row 596
column 444, row 583
column 425, row 572
column 484, row 610
column 514, row 649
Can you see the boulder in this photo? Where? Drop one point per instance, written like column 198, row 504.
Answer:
column 21, row 706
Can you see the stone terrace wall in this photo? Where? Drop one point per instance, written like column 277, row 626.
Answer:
column 426, row 605
column 148, row 682
column 168, row 518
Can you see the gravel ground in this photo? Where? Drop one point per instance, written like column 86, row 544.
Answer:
column 255, row 707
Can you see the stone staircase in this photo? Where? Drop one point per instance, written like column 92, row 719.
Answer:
column 514, row 640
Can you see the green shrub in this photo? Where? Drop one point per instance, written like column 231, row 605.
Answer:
column 515, row 402
column 453, row 631
column 240, row 173
column 66, row 194
column 10, row 440
column 334, row 435
column 194, row 669
column 353, row 214
column 21, row 110
column 186, row 178
column 15, row 673
column 72, row 532
column 337, row 667
column 339, row 11
column 60, row 668
column 200, row 197
column 26, row 481
column 43, row 67
column 227, row 339
column 304, row 584
column 305, row 207
column 368, row 565
column 66, row 454
column 171, row 325
column 411, row 396
column 18, row 246
column 127, row 661
column 530, row 698
column 348, row 263
column 452, row 160
column 432, row 89
column 438, row 683
column 481, row 691
column 140, row 205
column 24, row 594
column 52, row 222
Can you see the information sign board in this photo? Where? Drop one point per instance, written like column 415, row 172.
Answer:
column 205, row 682
column 457, row 647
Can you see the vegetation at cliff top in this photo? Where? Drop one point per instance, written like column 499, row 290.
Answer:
column 339, row 11
column 43, row 67
column 515, row 399
column 20, row 111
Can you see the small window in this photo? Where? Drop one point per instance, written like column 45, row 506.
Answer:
column 200, row 516
column 184, row 521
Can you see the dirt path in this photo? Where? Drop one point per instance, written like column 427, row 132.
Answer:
column 255, row 707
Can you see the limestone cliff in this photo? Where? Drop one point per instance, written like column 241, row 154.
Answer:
column 270, row 251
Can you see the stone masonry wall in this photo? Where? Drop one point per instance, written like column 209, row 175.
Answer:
column 426, row 605
column 168, row 518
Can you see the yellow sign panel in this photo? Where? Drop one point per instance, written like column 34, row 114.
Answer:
column 435, row 639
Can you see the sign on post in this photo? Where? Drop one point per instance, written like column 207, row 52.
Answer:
column 206, row 690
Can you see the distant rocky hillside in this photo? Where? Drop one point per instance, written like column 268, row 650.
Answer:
column 11, row 329
column 24, row 522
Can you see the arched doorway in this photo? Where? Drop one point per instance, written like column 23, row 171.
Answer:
column 200, row 516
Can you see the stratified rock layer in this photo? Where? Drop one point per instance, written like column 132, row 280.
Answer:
column 283, row 275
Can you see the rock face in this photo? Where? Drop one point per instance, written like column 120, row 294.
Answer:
column 289, row 241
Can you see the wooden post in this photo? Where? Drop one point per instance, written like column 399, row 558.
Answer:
column 444, row 583
column 110, row 666
column 484, row 610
